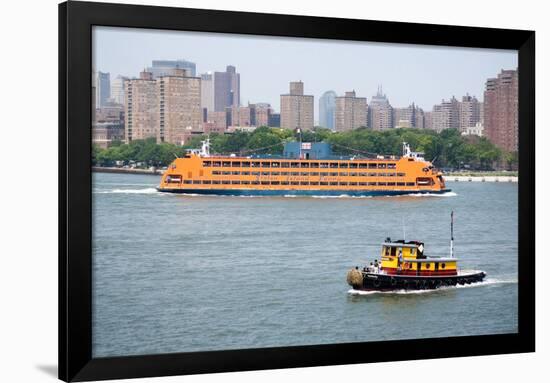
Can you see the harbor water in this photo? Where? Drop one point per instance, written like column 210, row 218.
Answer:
column 179, row 273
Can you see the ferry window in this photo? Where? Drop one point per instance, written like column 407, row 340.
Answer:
column 334, row 174
column 353, row 166
column 265, row 173
column 381, row 166
column 363, row 183
column 372, row 174
column 323, row 183
column 255, row 164
column 353, row 184
column 266, row 164
column 334, row 164
column 245, row 173
column 381, row 174
column 274, row 164
column 284, row 182
column 255, row 173
column 275, row 173
column 343, row 184
column 391, row 183
column 235, row 182
column 225, row 182
column 442, row 265
column 372, row 183
column 294, row 174
column 304, row 165
column 372, row 165
column 410, row 183
column 295, row 183
column 343, row 165
column 245, row 182
column 285, row 164
column 305, row 174
column 216, row 164
column 314, row 183
column 381, row 184
column 353, row 174
column 265, row 182
column 226, row 173
column 246, row 164
column 235, row 173
column 363, row 174
column 226, row 164
column 391, row 174
column 206, row 164
column 284, row 173
column 400, row 174
column 314, row 174
column 344, row 174
column 236, row 164
column 275, row 182
column 401, row 184
column 187, row 181
column 323, row 165
column 391, row 166
column 173, row 179
column 216, row 182
column 363, row 166
column 334, row 183
column 206, row 182
column 196, row 181
column 324, row 174
column 304, row 183
column 255, row 182
column 314, row 165
column 294, row 164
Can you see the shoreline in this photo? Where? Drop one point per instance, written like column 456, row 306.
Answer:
column 451, row 178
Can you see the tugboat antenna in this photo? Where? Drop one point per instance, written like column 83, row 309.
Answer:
column 452, row 236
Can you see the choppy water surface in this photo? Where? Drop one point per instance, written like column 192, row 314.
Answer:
column 174, row 273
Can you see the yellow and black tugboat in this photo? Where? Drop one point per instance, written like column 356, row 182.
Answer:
column 405, row 266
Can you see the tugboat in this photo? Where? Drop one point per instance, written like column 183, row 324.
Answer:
column 405, row 266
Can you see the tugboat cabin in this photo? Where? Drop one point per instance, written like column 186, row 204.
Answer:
column 408, row 258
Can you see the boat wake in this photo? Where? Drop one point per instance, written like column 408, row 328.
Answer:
column 128, row 191
column 487, row 282
column 446, row 194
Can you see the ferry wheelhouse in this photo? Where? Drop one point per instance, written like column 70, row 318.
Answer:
column 305, row 169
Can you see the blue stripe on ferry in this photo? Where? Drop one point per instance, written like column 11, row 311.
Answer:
column 265, row 192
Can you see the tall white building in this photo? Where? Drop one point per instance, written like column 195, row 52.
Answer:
column 117, row 89
column 327, row 108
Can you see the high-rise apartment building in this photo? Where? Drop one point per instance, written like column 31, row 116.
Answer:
column 351, row 112
column 446, row 115
column 207, row 92
column 380, row 115
column 327, row 109
column 259, row 114
column 218, row 120
column 102, row 83
column 117, row 89
column 179, row 109
column 500, row 109
column 409, row 117
column 239, row 116
column 166, row 67
column 297, row 108
column 227, row 89
column 140, row 107
column 469, row 113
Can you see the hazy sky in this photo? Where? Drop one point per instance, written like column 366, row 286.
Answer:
column 407, row 73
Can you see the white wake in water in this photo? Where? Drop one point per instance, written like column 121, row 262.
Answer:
column 128, row 191
column 487, row 282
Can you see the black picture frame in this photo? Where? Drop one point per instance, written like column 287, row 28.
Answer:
column 76, row 20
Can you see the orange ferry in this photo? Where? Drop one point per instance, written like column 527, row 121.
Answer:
column 305, row 169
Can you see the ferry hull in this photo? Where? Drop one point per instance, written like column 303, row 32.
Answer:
column 385, row 282
column 309, row 192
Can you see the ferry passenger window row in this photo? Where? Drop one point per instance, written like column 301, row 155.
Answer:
column 269, row 164
column 313, row 174
column 313, row 183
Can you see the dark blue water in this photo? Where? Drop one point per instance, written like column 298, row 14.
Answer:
column 175, row 273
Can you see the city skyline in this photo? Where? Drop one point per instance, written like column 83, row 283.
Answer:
column 267, row 64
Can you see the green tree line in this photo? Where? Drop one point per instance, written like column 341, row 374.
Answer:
column 447, row 149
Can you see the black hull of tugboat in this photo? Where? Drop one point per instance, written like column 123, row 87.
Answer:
column 386, row 282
